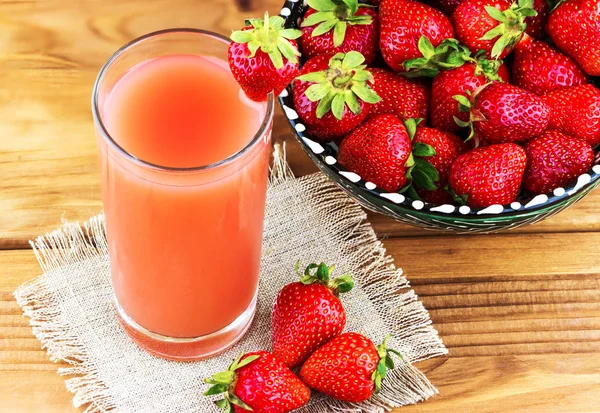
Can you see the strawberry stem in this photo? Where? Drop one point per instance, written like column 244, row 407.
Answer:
column 385, row 363
column 449, row 54
column 321, row 273
column 511, row 25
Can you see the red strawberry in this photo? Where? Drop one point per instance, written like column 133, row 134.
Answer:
column 489, row 175
column 460, row 81
column 403, row 22
column 535, row 24
column 258, row 382
column 379, row 151
column 405, row 98
column 574, row 27
column 447, row 147
column 495, row 26
column 576, row 112
column 554, row 159
column 348, row 368
column 263, row 57
column 539, row 68
column 446, row 6
column 331, row 27
column 307, row 314
column 332, row 96
column 501, row 112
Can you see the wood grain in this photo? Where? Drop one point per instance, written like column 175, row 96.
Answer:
column 519, row 312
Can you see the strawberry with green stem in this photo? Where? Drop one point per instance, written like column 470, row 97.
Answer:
column 495, row 26
column 447, row 55
column 258, row 382
column 308, row 313
column 349, row 368
column 333, row 26
column 263, row 56
column 333, row 94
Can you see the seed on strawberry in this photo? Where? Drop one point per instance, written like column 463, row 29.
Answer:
column 331, row 27
column 500, row 112
column 332, row 96
column 307, row 314
column 576, row 111
column 574, row 27
column 403, row 23
column 405, row 98
column 495, row 26
column 488, row 175
column 263, row 57
column 348, row 368
column 258, row 382
column 539, row 68
column 553, row 160
column 446, row 148
column 461, row 81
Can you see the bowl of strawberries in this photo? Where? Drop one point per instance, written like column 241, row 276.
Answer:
column 467, row 116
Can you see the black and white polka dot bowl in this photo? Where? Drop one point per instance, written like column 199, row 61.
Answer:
column 449, row 218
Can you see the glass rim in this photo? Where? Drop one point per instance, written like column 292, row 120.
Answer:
column 109, row 139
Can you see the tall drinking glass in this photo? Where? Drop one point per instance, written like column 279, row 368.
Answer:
column 183, row 159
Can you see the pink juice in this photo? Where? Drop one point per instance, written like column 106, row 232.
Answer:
column 184, row 246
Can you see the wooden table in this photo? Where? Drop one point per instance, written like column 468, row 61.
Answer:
column 520, row 312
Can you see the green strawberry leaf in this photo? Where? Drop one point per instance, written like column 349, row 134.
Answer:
column 464, row 104
column 317, row 17
column 222, row 403
column 461, row 123
column 342, row 284
column 423, row 150
column 426, row 48
column 352, row 60
column 324, row 28
column 216, row 389
column 238, row 402
column 324, row 105
column 318, row 91
column 339, row 33
column 352, row 102
column 495, row 13
column 322, row 5
column 337, row 106
column 365, row 93
column 246, row 361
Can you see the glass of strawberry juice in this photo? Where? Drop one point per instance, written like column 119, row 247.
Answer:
column 183, row 157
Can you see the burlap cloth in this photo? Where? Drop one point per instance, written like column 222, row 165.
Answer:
column 307, row 219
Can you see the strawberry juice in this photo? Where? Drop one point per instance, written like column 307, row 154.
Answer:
column 184, row 161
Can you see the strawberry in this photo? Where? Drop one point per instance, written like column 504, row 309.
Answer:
column 263, row 57
column 380, row 151
column 333, row 26
column 403, row 22
column 462, row 81
column 446, row 148
column 500, row 112
column 554, row 159
column 539, row 68
column 307, row 314
column 495, row 26
column 332, row 96
column 488, row 175
column 535, row 24
column 405, row 98
column 258, row 382
column 348, row 368
column 574, row 27
column 576, row 112
column 446, row 6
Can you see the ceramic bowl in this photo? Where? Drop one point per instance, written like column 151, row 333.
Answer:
column 447, row 218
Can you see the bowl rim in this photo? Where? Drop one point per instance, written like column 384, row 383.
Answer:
column 321, row 152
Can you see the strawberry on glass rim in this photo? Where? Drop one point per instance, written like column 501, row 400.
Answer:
column 263, row 56
column 333, row 26
column 308, row 313
column 333, row 95
column 495, row 26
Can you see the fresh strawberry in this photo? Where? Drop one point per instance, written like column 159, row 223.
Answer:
column 348, row 368
column 461, row 81
column 258, row 382
column 333, row 96
column 539, row 68
column 554, row 159
column 488, row 175
column 445, row 6
column 536, row 24
column 405, row 98
column 263, row 57
column 380, row 151
column 307, row 314
column 500, row 112
column 495, row 26
column 403, row 22
column 446, row 148
column 574, row 27
column 576, row 111
column 333, row 26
